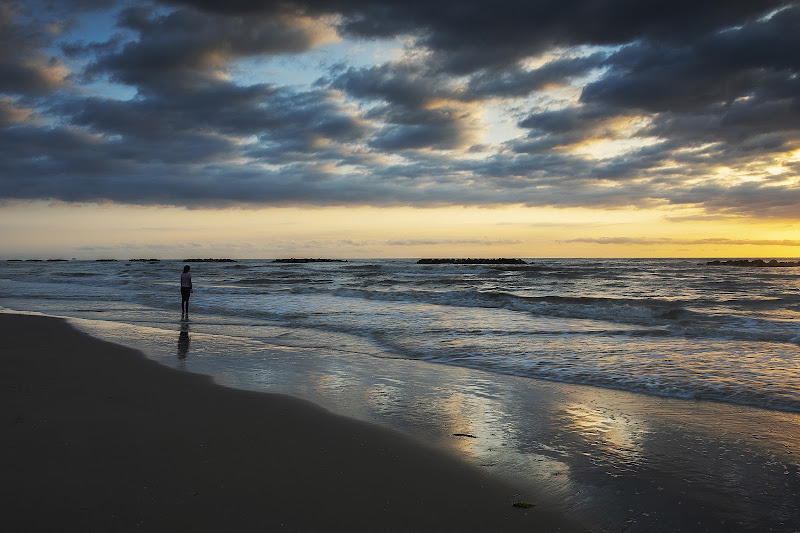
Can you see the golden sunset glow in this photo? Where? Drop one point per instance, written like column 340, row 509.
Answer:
column 112, row 231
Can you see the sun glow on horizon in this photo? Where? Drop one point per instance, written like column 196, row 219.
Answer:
column 124, row 232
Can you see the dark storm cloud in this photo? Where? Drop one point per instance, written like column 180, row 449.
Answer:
column 733, row 84
column 474, row 34
column 717, row 68
column 683, row 88
column 522, row 82
column 187, row 46
column 24, row 67
column 549, row 130
column 419, row 109
column 755, row 199
column 218, row 109
column 399, row 84
column 11, row 113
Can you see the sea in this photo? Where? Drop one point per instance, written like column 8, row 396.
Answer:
column 470, row 355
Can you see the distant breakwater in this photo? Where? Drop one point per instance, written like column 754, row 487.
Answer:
column 471, row 261
column 309, row 260
column 754, row 263
column 209, row 260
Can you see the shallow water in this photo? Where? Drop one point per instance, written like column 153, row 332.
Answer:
column 675, row 328
column 619, row 460
column 443, row 352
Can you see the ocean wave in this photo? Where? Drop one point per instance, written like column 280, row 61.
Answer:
column 77, row 274
column 560, row 306
column 675, row 317
column 571, row 370
column 280, row 281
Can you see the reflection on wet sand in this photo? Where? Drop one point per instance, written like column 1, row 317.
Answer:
column 616, row 434
column 476, row 419
column 623, row 461
column 183, row 340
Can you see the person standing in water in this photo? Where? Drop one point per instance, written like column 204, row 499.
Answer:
column 186, row 290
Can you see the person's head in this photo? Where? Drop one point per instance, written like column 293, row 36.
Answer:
column 186, row 268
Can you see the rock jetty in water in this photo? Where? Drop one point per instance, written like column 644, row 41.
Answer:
column 754, row 263
column 471, row 261
column 309, row 260
column 209, row 261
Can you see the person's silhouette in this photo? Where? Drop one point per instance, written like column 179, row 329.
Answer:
column 186, row 290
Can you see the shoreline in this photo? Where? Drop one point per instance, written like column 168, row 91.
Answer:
column 101, row 438
column 615, row 459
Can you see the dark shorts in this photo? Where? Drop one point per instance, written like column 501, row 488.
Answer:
column 185, row 293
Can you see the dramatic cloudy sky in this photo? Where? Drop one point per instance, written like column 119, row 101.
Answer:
column 405, row 128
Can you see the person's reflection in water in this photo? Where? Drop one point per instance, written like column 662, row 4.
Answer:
column 183, row 341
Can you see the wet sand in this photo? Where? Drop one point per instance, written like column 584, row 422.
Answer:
column 618, row 460
column 98, row 438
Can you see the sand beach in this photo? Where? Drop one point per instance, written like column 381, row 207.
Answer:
column 98, row 438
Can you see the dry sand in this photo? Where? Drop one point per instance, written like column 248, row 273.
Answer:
column 97, row 438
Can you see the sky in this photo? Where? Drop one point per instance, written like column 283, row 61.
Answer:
column 400, row 128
